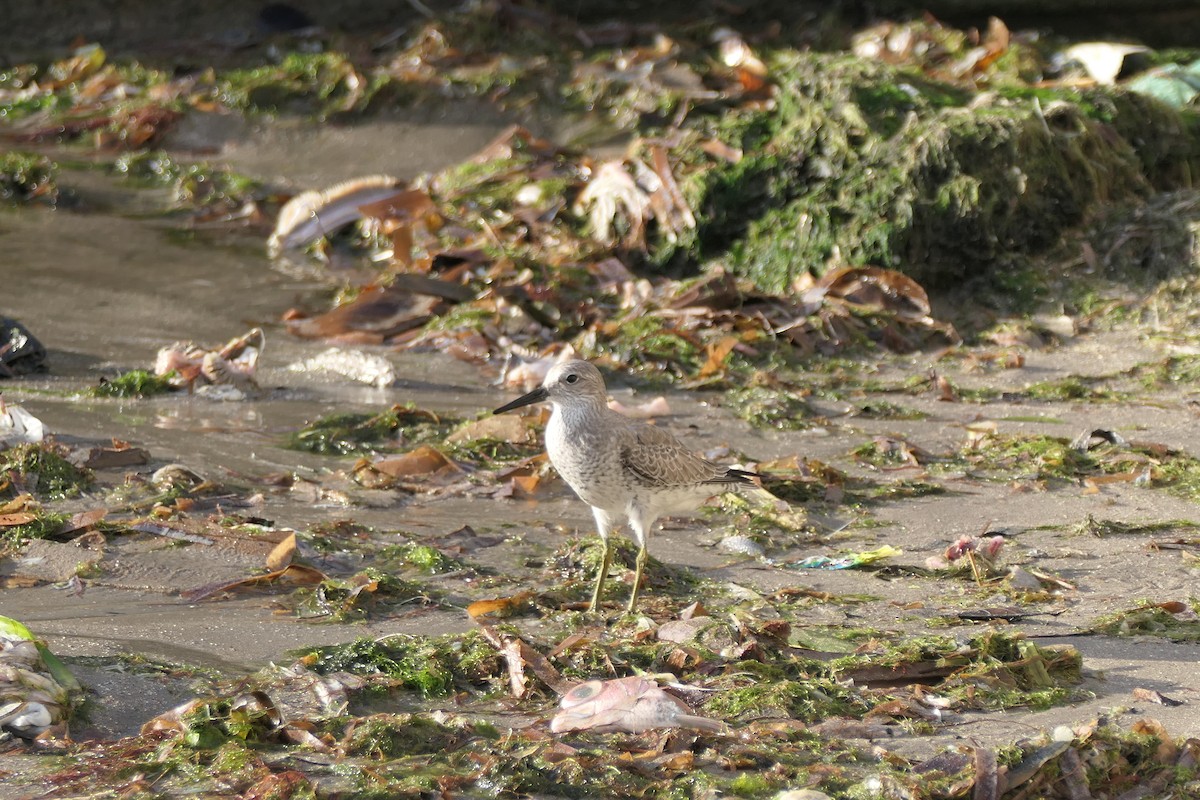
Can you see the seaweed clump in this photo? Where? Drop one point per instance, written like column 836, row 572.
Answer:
column 869, row 163
column 43, row 470
column 28, row 177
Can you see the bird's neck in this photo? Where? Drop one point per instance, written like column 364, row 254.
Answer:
column 578, row 415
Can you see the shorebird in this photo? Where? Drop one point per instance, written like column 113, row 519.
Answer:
column 623, row 469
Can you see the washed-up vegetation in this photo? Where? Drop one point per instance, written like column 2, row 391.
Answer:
column 772, row 212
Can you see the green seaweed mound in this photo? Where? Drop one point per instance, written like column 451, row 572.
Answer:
column 860, row 162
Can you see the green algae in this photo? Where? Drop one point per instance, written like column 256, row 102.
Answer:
column 1005, row 457
column 192, row 185
column 44, row 470
column 383, row 737
column 134, row 383
column 1072, row 387
column 1100, row 528
column 1176, row 624
column 44, row 526
column 342, row 600
column 883, row 409
column 421, row 557
column 574, row 567
column 768, row 407
column 806, row 697
column 300, row 83
column 430, row 666
column 927, row 185
column 27, row 177
column 351, row 433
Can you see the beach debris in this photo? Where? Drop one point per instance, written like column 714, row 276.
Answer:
column 425, row 461
column 20, row 351
column 313, row 214
column 37, row 691
column 526, row 374
column 358, row 366
column 626, row 705
column 850, row 560
column 111, row 456
column 233, row 364
column 374, row 316
column 1102, row 61
column 1154, row 696
column 981, row 553
column 18, row 426
column 656, row 407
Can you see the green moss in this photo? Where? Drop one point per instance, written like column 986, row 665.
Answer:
column 1173, row 370
column 134, row 383
column 578, row 561
column 882, row 409
column 193, row 185
column 26, row 177
column 44, row 470
column 462, row 317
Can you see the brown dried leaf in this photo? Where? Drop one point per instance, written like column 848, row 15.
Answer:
column 987, row 775
column 718, row 149
column 21, row 502
column 1172, row 606
column 293, row 574
column 1167, row 751
column 109, row 457
column 1151, row 696
column 375, row 315
column 876, row 288
column 520, row 655
column 16, row 518
column 715, row 355
column 945, row 389
column 281, row 555
column 424, row 460
column 84, row 520
column 499, row 607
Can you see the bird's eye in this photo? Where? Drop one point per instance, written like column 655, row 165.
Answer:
column 572, row 378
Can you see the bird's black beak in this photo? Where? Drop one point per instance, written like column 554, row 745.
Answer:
column 536, row 396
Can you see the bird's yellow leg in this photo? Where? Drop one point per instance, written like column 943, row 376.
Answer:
column 642, row 556
column 601, row 576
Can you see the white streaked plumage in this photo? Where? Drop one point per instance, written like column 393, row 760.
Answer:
column 625, row 470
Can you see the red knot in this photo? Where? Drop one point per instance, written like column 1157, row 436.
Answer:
column 624, row 470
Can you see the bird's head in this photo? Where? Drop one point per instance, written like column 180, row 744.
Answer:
column 570, row 384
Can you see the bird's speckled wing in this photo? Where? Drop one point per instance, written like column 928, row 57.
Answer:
column 659, row 459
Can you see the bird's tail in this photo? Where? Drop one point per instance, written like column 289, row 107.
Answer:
column 739, row 476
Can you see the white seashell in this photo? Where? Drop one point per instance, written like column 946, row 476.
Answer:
column 26, row 720
column 310, row 215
